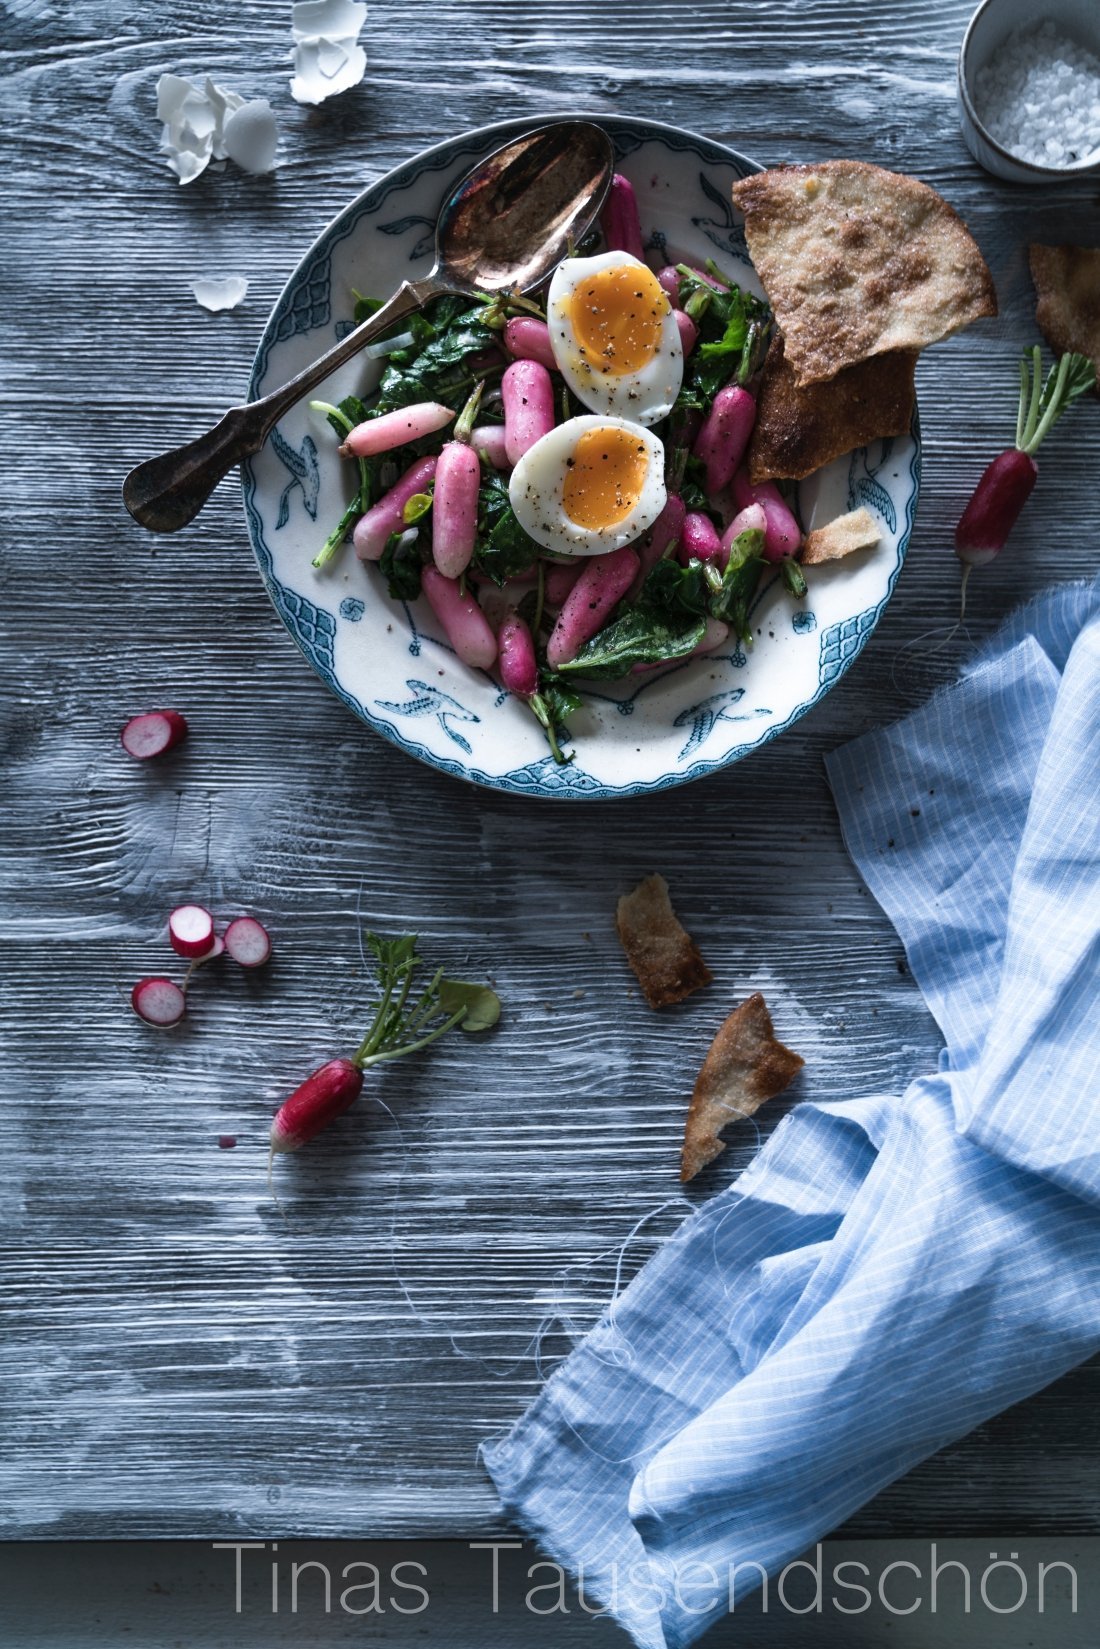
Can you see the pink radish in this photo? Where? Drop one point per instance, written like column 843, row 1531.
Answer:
column 528, row 397
column 659, row 541
column 527, row 339
column 519, row 670
column 316, row 1102
column 603, row 582
column 782, row 534
column 248, row 942
column 395, row 429
column 722, row 441
column 191, row 931
column 668, row 279
column 619, row 220
column 153, row 733
column 1006, row 484
column 454, row 507
column 699, row 540
column 159, row 1002
column 559, row 579
column 487, row 441
column 716, row 632
column 374, row 530
column 467, row 628
column 751, row 519
column 519, row 673
column 689, row 332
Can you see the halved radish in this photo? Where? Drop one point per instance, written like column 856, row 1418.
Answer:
column 159, row 1002
column 153, row 733
column 191, row 931
column 248, row 942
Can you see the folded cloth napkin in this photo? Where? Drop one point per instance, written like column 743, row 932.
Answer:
column 889, row 1272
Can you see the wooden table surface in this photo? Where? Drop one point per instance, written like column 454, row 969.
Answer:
column 179, row 1358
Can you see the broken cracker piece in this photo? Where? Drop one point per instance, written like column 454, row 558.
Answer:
column 1067, row 282
column 855, row 531
column 857, row 261
column 662, row 953
column 800, row 428
column 744, row 1067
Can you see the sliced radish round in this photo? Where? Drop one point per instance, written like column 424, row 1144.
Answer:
column 217, row 949
column 158, row 1002
column 153, row 733
column 191, row 931
column 248, row 942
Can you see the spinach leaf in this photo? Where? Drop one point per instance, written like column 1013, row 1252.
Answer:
column 733, row 326
column 503, row 549
column 675, row 591
column 552, row 704
column 437, row 369
column 640, row 635
column 401, row 565
column 730, row 602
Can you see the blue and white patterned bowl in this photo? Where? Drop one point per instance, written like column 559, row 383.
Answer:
column 388, row 663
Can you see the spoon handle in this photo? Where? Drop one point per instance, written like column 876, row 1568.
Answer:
column 166, row 493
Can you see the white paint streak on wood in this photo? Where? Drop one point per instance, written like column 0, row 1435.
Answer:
column 179, row 1359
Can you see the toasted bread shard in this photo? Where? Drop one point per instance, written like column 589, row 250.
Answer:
column 857, row 530
column 662, row 953
column 857, row 262
column 745, row 1067
column 1067, row 284
column 800, row 428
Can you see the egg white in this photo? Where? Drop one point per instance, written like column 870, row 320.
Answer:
column 537, row 484
column 645, row 396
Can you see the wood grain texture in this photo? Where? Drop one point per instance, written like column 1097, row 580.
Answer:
column 179, row 1359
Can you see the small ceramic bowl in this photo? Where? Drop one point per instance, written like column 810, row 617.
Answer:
column 988, row 30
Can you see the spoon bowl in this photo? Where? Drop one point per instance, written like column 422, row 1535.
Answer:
column 511, row 219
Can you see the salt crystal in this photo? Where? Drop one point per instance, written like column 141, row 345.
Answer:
column 327, row 55
column 1039, row 97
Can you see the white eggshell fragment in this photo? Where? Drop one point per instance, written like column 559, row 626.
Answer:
column 207, row 124
column 327, row 55
column 251, row 136
column 216, row 295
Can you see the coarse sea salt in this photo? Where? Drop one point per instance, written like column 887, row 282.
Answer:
column 1039, row 97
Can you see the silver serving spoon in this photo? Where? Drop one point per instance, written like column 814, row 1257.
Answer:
column 504, row 226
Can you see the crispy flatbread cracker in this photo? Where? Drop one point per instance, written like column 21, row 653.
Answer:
column 745, row 1067
column 856, row 531
column 857, row 262
column 1067, row 281
column 799, row 429
column 663, row 954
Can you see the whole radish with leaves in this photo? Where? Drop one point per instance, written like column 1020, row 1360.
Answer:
column 1007, row 482
column 403, row 1023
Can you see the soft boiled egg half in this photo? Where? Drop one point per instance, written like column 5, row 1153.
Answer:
column 614, row 336
column 589, row 486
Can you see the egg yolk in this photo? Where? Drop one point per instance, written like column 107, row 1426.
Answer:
column 617, row 316
column 604, row 477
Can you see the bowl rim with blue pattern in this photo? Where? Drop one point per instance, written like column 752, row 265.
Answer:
column 388, row 662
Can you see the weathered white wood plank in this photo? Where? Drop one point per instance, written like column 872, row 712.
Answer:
column 180, row 1359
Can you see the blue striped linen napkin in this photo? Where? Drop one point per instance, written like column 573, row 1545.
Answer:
column 889, row 1272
